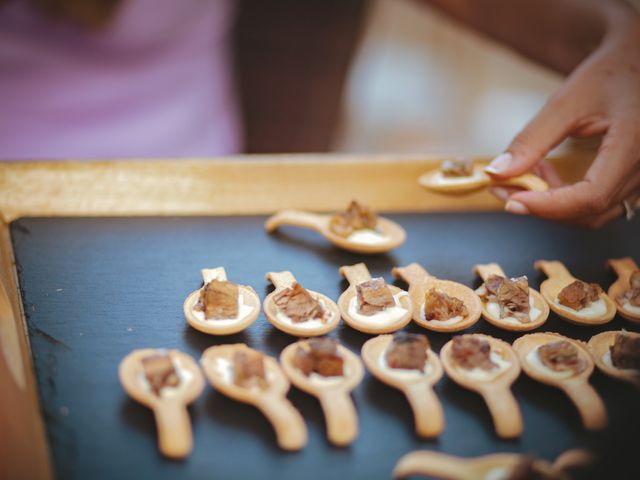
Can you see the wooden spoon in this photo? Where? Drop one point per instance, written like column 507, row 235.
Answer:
column 623, row 267
column 599, row 346
column 175, row 439
column 417, row 386
column 559, row 277
column 496, row 465
column 536, row 301
column 575, row 385
column 309, row 328
column 434, row 180
column 249, row 308
column 391, row 235
column 332, row 392
column 420, row 281
column 496, row 391
column 386, row 321
column 289, row 426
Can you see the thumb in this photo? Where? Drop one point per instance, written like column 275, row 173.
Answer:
column 546, row 130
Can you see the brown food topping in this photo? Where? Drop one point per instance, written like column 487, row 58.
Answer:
column 512, row 295
column 321, row 357
column 374, row 296
column 625, row 351
column 408, row 350
column 472, row 352
column 218, row 300
column 298, row 304
column 562, row 356
column 440, row 306
column 160, row 372
column 633, row 294
column 248, row 369
column 457, row 167
column 356, row 217
column 578, row 295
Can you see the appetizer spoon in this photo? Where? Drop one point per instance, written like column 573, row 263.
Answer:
column 497, row 465
column 537, row 301
column 356, row 274
column 434, row 180
column 416, row 386
column 599, row 346
column 576, row 385
column 392, row 234
column 250, row 306
column 623, row 267
column 175, row 439
column 332, row 392
column 559, row 277
column 496, row 391
column 420, row 281
column 310, row 328
column 289, row 426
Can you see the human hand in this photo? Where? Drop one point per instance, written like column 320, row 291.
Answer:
column 601, row 96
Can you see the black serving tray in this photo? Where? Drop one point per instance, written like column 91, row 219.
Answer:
column 95, row 289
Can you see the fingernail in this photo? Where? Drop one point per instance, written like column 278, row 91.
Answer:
column 500, row 163
column 501, row 193
column 513, row 206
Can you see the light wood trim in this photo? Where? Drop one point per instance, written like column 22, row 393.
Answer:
column 257, row 184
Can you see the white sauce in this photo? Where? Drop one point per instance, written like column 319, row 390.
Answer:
column 596, row 309
column 243, row 311
column 486, row 375
column 323, row 381
column 627, row 307
column 366, row 236
column 533, row 357
column 494, row 309
column 498, row 473
column 184, row 375
column 403, row 373
column 311, row 324
column 440, row 179
column 385, row 317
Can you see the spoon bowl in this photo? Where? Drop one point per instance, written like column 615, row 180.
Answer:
column 392, row 235
column 496, row 390
column 623, row 267
column 175, row 438
column 250, row 306
column 599, row 346
column 559, row 277
column 575, row 385
column 420, row 281
column 217, row 363
column 415, row 385
column 535, row 300
column 332, row 392
column 373, row 324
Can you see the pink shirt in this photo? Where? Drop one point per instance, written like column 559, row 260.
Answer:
column 156, row 83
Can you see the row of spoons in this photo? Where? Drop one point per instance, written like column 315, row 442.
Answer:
column 174, row 427
column 412, row 305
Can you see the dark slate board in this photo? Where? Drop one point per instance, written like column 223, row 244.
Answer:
column 94, row 289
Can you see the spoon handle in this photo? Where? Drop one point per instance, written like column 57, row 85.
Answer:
column 355, row 274
column 175, row 439
column 484, row 271
column 413, row 273
column 287, row 422
column 589, row 404
column 281, row 279
column 427, row 410
column 505, row 412
column 526, row 181
column 433, row 464
column 623, row 266
column 341, row 417
column 553, row 269
column 297, row 219
column 209, row 274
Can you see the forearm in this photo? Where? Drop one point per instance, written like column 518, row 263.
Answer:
column 555, row 33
